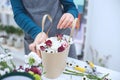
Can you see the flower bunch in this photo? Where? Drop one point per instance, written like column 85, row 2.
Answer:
column 6, row 59
column 86, row 76
column 32, row 65
column 55, row 44
column 88, row 72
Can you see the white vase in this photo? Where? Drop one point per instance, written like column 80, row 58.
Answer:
column 3, row 41
column 10, row 41
column 18, row 43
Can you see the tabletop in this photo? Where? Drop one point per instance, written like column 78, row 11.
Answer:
column 113, row 75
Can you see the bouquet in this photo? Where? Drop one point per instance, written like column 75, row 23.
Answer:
column 32, row 68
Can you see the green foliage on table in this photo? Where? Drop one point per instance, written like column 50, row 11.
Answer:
column 89, row 76
column 4, row 65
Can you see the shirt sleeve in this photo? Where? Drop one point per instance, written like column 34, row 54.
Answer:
column 69, row 7
column 23, row 20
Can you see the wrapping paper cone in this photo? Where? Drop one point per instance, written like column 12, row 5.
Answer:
column 54, row 63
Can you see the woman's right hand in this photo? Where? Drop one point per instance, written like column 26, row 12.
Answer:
column 41, row 37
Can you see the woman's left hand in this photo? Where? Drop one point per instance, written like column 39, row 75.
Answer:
column 41, row 37
column 65, row 21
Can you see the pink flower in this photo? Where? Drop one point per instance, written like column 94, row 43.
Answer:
column 59, row 36
column 42, row 48
column 65, row 44
column 48, row 43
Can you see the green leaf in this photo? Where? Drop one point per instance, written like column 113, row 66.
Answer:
column 105, row 76
column 70, row 72
column 76, row 74
column 93, row 77
column 90, row 76
column 44, row 73
column 5, row 65
column 12, row 64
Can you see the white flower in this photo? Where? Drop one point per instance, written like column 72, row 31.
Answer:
column 7, row 70
column 5, row 59
column 21, row 70
column 55, row 43
column 26, row 66
column 2, row 55
column 10, row 55
column 2, row 72
column 1, row 60
column 33, row 59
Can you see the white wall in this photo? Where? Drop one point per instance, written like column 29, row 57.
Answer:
column 103, row 30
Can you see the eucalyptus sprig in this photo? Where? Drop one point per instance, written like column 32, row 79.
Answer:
column 14, row 66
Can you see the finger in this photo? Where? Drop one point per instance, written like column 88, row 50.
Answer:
column 64, row 23
column 32, row 47
column 39, row 53
column 69, row 23
column 43, row 38
column 61, row 21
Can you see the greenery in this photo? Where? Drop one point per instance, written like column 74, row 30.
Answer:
column 89, row 76
column 4, row 65
column 33, row 67
column 11, row 30
column 1, row 28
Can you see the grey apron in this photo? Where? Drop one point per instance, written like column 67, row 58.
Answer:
column 36, row 9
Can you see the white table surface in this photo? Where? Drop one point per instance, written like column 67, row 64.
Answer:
column 113, row 75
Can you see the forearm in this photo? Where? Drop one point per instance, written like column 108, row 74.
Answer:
column 69, row 7
column 27, row 24
column 23, row 20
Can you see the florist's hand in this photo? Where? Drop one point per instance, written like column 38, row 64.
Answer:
column 41, row 37
column 65, row 21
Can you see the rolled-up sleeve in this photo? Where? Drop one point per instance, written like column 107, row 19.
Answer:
column 69, row 7
column 23, row 20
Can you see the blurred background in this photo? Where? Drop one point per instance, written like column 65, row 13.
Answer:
column 97, row 38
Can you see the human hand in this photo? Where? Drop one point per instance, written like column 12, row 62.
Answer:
column 41, row 37
column 65, row 21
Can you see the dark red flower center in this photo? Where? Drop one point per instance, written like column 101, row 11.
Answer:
column 61, row 48
column 48, row 43
column 59, row 36
column 42, row 48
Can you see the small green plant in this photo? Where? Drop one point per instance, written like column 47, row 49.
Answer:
column 18, row 31
column 11, row 30
column 1, row 27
